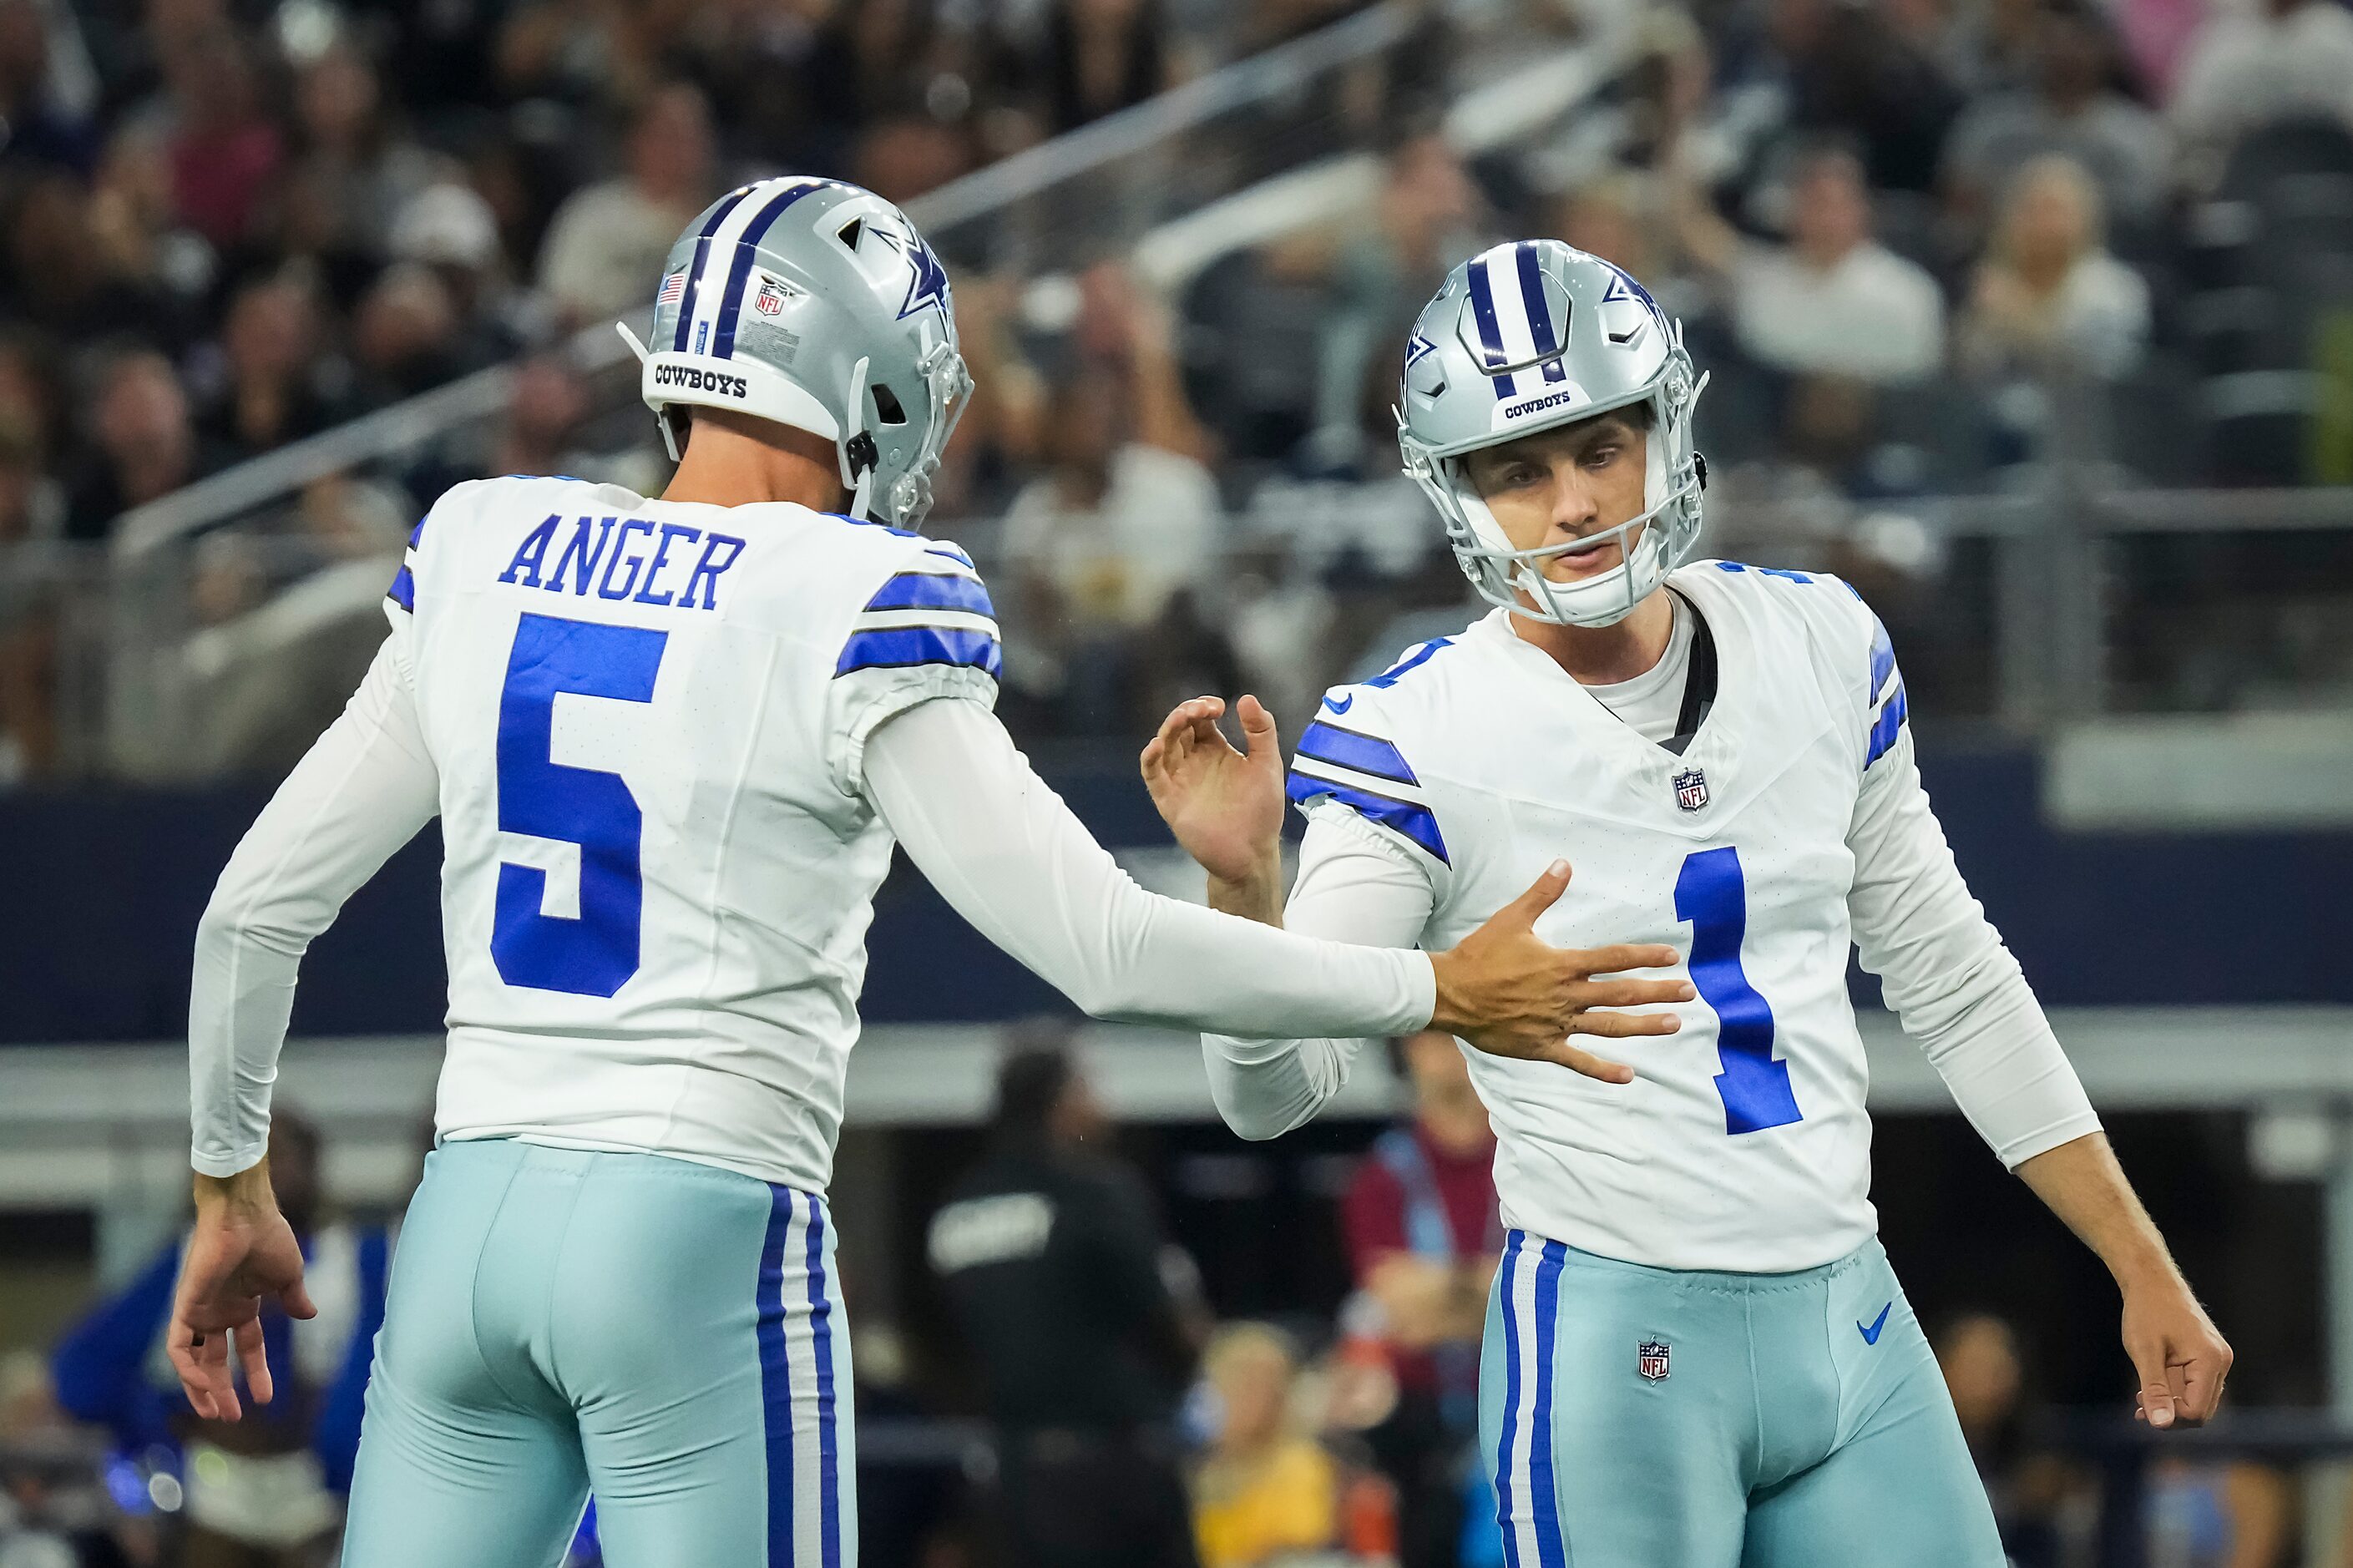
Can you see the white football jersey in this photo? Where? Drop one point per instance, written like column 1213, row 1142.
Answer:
column 1742, row 1143
column 648, row 718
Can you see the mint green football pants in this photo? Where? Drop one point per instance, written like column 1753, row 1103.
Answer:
column 664, row 1334
column 1636, row 1417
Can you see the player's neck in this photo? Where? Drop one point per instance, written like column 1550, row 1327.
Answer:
column 732, row 460
column 1605, row 656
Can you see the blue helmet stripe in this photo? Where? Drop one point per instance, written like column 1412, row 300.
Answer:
column 701, row 255
column 731, row 303
column 1532, row 295
column 1490, row 336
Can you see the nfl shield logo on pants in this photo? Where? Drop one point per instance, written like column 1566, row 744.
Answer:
column 1690, row 789
column 1650, row 1360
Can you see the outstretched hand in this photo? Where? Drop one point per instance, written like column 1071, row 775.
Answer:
column 242, row 1251
column 1224, row 806
column 1511, row 994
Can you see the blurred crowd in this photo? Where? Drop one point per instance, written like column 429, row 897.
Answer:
column 1121, row 1423
column 1924, row 247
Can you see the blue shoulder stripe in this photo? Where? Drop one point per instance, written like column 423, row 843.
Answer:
column 902, row 647
column 403, row 591
column 1417, row 822
column 1882, row 658
column 933, row 590
column 1890, row 720
column 1352, row 749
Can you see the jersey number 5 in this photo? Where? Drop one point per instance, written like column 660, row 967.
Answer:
column 1754, row 1084
column 595, row 953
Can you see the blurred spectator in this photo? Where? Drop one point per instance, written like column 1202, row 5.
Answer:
column 1832, row 299
column 450, row 228
column 408, row 337
column 605, row 249
column 1619, row 217
column 2048, row 301
column 1383, row 272
column 354, row 168
column 144, row 443
column 542, row 427
column 1101, row 56
column 64, row 278
column 263, row 1492
column 223, row 149
column 1125, row 520
column 2073, row 109
column 37, row 124
column 2233, row 1514
column 1851, row 72
column 1265, row 1490
column 2030, row 1487
column 2255, row 65
column 1053, row 1261
column 1424, row 1234
column 1002, row 427
column 138, row 230
column 902, row 156
column 269, row 392
column 30, row 510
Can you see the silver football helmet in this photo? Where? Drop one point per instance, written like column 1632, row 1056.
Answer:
column 1524, row 337
column 816, row 304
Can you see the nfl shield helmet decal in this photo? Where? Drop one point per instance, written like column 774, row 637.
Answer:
column 1650, row 1360
column 773, row 292
column 1690, row 789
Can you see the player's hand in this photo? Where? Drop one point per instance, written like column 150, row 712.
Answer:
column 2180, row 1356
column 1225, row 806
column 1512, row 995
column 242, row 1251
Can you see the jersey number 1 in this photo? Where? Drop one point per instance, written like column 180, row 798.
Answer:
column 1754, row 1084
column 596, row 954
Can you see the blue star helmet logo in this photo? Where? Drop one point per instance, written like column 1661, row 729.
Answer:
column 1416, row 348
column 928, row 289
column 1623, row 287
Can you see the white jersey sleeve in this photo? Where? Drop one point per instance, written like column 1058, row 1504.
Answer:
column 1349, row 762
column 929, row 631
column 1946, row 971
column 362, row 792
column 1009, row 855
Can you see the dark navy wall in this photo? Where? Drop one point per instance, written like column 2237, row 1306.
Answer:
column 100, row 895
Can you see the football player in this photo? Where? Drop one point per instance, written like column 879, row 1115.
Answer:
column 1696, row 1355
column 671, row 742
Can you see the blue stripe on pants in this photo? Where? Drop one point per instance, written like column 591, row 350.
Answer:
column 775, row 1377
column 1544, row 1499
column 821, row 1332
column 1511, row 1402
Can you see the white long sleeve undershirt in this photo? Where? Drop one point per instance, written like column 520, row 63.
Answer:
column 1955, row 986
column 1011, row 858
column 1001, row 847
